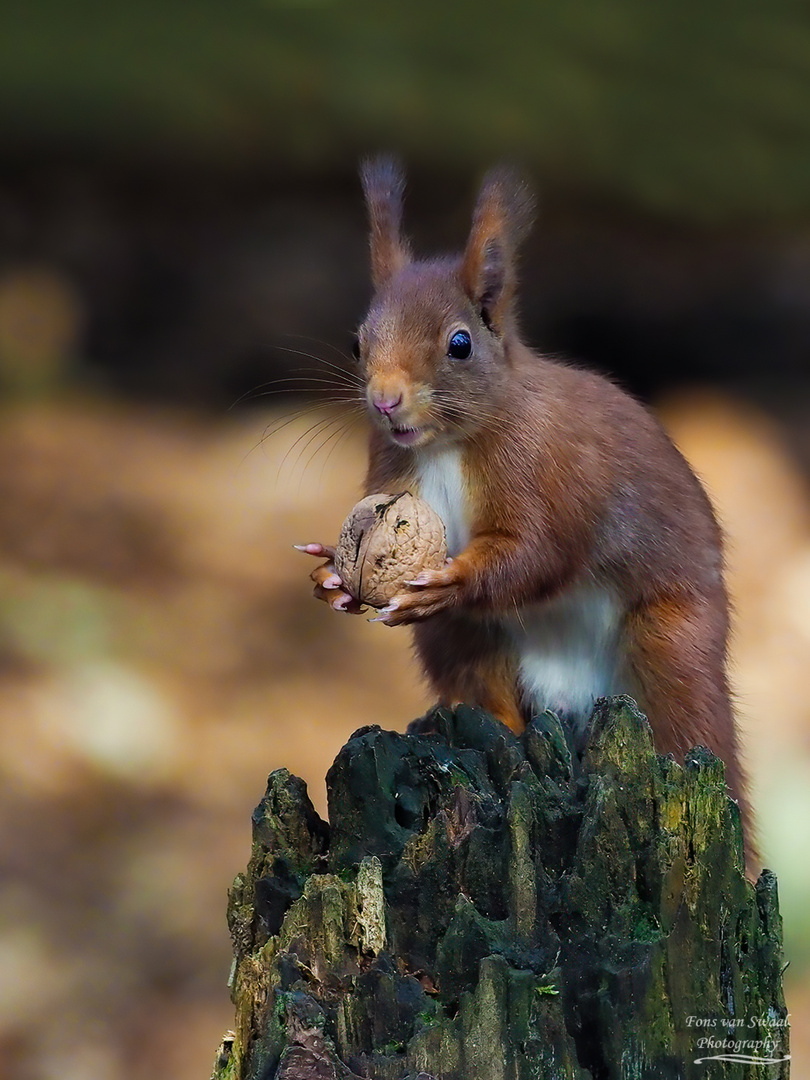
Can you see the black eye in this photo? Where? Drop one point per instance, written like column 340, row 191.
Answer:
column 356, row 348
column 460, row 345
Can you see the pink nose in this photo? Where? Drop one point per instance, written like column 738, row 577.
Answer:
column 387, row 405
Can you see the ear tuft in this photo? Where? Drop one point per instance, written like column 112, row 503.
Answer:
column 503, row 217
column 384, row 185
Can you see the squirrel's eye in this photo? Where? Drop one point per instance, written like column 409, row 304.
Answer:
column 356, row 348
column 460, row 345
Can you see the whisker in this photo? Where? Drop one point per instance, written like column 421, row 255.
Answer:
column 304, row 383
column 322, row 428
column 317, row 427
column 336, row 374
column 315, row 390
column 279, row 424
column 469, row 409
column 329, row 344
column 346, row 431
column 306, row 375
column 471, row 399
column 288, row 418
column 337, row 434
column 313, row 401
column 320, row 359
column 322, row 424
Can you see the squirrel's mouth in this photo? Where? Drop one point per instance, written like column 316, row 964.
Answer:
column 405, row 436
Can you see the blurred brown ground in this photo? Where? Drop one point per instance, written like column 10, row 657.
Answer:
column 161, row 654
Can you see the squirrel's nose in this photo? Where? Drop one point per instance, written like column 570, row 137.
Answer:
column 387, row 405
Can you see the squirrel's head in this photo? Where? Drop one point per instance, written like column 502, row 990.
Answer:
column 433, row 348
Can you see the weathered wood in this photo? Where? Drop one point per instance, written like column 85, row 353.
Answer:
column 485, row 907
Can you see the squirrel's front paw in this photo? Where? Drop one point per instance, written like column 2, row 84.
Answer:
column 428, row 594
column 328, row 586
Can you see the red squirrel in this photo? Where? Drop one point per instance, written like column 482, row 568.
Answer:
column 585, row 559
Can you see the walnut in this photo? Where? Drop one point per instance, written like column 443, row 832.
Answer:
column 385, row 541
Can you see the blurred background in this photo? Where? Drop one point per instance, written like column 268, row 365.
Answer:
column 182, row 263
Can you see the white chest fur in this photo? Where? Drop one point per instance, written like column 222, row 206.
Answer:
column 441, row 483
column 569, row 651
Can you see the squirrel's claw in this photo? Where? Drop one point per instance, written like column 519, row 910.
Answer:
column 320, row 551
column 328, row 585
column 429, row 593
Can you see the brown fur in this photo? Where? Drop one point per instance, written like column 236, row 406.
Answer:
column 569, row 480
column 383, row 185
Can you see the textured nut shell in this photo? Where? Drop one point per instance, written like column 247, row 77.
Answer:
column 385, row 541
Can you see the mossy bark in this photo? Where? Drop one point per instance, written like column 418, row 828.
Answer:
column 484, row 907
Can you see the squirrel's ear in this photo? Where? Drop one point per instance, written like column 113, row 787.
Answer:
column 384, row 184
column 503, row 216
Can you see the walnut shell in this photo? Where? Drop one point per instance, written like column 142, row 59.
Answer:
column 385, row 541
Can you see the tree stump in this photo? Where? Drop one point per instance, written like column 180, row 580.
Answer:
column 484, row 907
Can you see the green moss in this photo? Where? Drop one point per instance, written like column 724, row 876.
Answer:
column 645, row 927
column 458, row 778
column 392, row 1048
column 429, row 1019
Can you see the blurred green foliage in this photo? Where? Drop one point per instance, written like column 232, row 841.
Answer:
column 689, row 109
